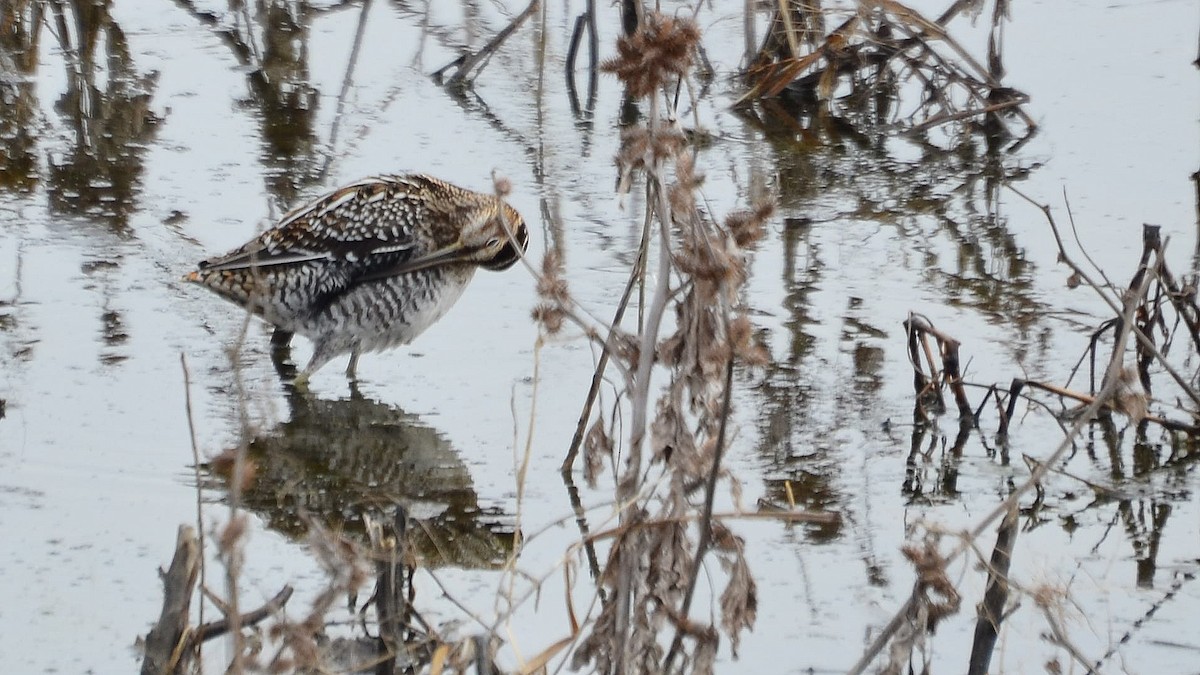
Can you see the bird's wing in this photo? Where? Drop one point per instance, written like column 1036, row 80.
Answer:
column 370, row 219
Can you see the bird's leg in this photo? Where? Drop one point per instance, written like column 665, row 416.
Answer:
column 323, row 352
column 281, row 353
column 353, row 365
column 281, row 339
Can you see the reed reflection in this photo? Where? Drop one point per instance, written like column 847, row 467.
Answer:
column 930, row 195
column 270, row 40
column 107, row 106
column 20, row 28
column 832, row 169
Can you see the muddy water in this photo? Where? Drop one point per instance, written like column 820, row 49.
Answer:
column 190, row 155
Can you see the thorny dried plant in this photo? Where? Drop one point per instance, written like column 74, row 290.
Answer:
column 939, row 596
column 552, row 287
column 678, row 430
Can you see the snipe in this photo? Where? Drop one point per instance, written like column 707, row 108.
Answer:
column 368, row 266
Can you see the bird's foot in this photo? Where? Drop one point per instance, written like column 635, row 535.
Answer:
column 299, row 383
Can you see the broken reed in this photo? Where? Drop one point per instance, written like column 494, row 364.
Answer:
column 937, row 369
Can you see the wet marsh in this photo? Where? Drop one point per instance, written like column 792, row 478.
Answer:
column 139, row 140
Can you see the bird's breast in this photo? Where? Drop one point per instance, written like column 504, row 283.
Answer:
column 392, row 311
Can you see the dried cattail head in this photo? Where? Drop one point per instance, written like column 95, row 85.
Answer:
column 745, row 344
column 642, row 148
column 556, row 297
column 1046, row 596
column 931, row 575
column 739, row 600
column 597, row 448
column 1130, row 399
column 501, row 184
column 662, row 48
column 635, row 147
column 667, row 142
column 552, row 286
column 670, row 350
column 682, row 193
column 712, row 259
column 550, row 316
column 624, row 347
column 749, row 226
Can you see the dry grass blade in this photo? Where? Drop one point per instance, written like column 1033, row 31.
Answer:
column 438, row 664
column 772, row 78
column 543, row 658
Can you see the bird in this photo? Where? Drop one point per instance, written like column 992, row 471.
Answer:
column 368, row 266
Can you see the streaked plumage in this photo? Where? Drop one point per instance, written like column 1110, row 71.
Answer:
column 368, row 266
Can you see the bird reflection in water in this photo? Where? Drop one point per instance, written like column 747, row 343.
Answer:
column 340, row 461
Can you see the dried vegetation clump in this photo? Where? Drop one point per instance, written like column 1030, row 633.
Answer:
column 659, row 53
column 693, row 330
column 887, row 65
column 271, row 639
column 1161, row 311
column 552, row 288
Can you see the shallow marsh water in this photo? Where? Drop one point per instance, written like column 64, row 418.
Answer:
column 95, row 453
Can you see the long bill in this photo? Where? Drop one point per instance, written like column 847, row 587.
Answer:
column 453, row 253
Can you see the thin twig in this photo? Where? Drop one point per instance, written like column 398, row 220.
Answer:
column 1141, row 337
column 347, row 80
column 636, row 272
column 220, row 627
column 187, row 401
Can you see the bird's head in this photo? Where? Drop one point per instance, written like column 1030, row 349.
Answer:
column 496, row 242
column 484, row 232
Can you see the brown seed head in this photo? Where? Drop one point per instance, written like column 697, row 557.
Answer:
column 662, row 48
column 552, row 286
column 502, row 184
column 550, row 316
column 749, row 226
